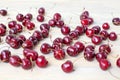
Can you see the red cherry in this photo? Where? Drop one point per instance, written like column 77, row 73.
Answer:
column 90, row 32
column 30, row 54
column 116, row 21
column 104, row 34
column 72, row 51
column 100, row 55
column 67, row 40
column 96, row 39
column 67, row 66
column 84, row 22
column 65, row 30
column 33, row 39
column 60, row 23
column 80, row 46
column 2, row 31
column 106, row 26
column 59, row 54
column 57, row 16
column 41, row 62
column 30, row 26
column 96, row 29
column 52, row 23
column 45, row 48
column 18, row 27
column 79, row 30
column 26, row 64
column 3, row 12
column 104, row 64
column 20, row 17
column 112, row 36
column 28, row 16
column 105, row 48
column 118, row 62
column 38, row 35
column 44, row 26
column 89, row 55
column 41, row 11
column 28, row 44
column 12, row 24
column 40, row 18
column 5, row 55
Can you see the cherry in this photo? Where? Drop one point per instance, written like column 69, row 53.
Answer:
column 28, row 16
column 96, row 29
column 85, row 13
column 116, row 21
column 57, row 16
column 26, row 64
column 90, row 32
column 104, row 34
column 118, row 62
column 12, row 24
column 60, row 23
column 58, row 41
column 100, row 55
column 85, row 22
column 89, row 55
column 5, row 55
column 67, row 40
column 65, row 30
column 45, row 33
column 13, row 31
column 28, row 44
column 112, row 36
column 3, row 26
column 56, row 46
column 25, row 22
column 15, row 60
column 30, row 54
column 72, row 51
column 45, row 48
column 14, row 43
column 3, row 12
column 105, row 48
column 52, row 23
column 41, row 62
column 41, row 11
column 44, row 26
column 67, row 66
column 80, row 46
column 33, row 39
column 83, row 16
column 96, row 39
column 105, row 26
column 79, row 30
column 40, row 18
column 90, row 20
column 59, row 54
column 73, row 35
column 89, row 48
column 18, row 27
column 20, row 17
column 38, row 35
column 21, row 38
column 30, row 25
column 8, row 38
column 2, row 31
column 104, row 64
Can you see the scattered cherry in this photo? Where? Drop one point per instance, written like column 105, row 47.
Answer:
column 59, row 54
column 20, row 17
column 112, row 36
column 26, row 63
column 5, row 55
column 41, row 11
column 96, row 39
column 118, row 62
column 57, row 16
column 40, row 18
column 72, row 51
column 116, row 21
column 3, row 12
column 105, row 26
column 28, row 44
column 65, row 30
column 104, row 64
column 45, row 48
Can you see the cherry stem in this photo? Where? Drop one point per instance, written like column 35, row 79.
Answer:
column 113, row 75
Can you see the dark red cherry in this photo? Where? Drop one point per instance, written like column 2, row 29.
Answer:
column 116, row 21
column 105, row 26
column 57, row 16
column 52, row 23
column 13, row 31
column 73, row 35
column 26, row 64
column 100, row 55
column 30, row 54
column 30, row 26
column 80, row 46
column 38, row 35
column 15, row 60
column 28, row 44
column 28, row 16
column 59, row 54
column 89, row 48
column 118, row 62
column 3, row 12
column 85, row 13
column 41, row 11
column 79, row 30
column 44, row 26
column 85, row 22
column 45, row 48
column 90, row 20
column 2, row 31
column 40, row 18
column 20, row 17
column 96, row 39
column 19, row 27
column 67, row 40
column 8, row 38
column 25, row 22
column 96, row 29
column 12, row 24
column 112, row 36
column 15, row 43
column 104, row 64
column 72, row 51
column 105, row 48
column 104, row 34
column 65, row 30
column 41, row 62
column 21, row 38
column 89, row 55
column 3, row 26
column 45, row 33
column 58, row 40
column 56, row 46
column 5, row 55
column 67, row 66
column 60, row 23
column 90, row 32
column 33, row 39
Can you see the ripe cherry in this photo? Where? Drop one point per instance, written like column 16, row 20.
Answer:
column 20, row 17
column 25, row 22
column 116, row 21
column 52, row 23
column 79, row 30
column 45, row 33
column 105, row 48
column 5, row 55
column 104, row 64
column 104, row 34
column 3, row 26
column 28, row 44
column 67, row 66
column 100, row 55
column 15, row 60
column 26, row 64
column 8, row 38
column 40, row 18
column 30, row 26
column 2, row 31
column 96, row 39
column 60, row 23
column 28, row 16
column 112, row 36
column 45, row 48
column 44, row 26
column 30, row 54
column 65, row 30
column 96, row 29
column 21, row 38
column 58, row 40
column 89, row 48
column 85, row 22
column 73, row 35
column 41, row 62
column 3, row 12
column 89, row 55
column 57, row 16
column 80, row 46
column 33, row 39
column 67, row 40
column 41, row 11
column 106, row 26
column 18, row 27
column 12, row 24
column 59, row 54
column 72, row 51
column 13, row 31
column 118, row 62
column 38, row 35
column 90, row 32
